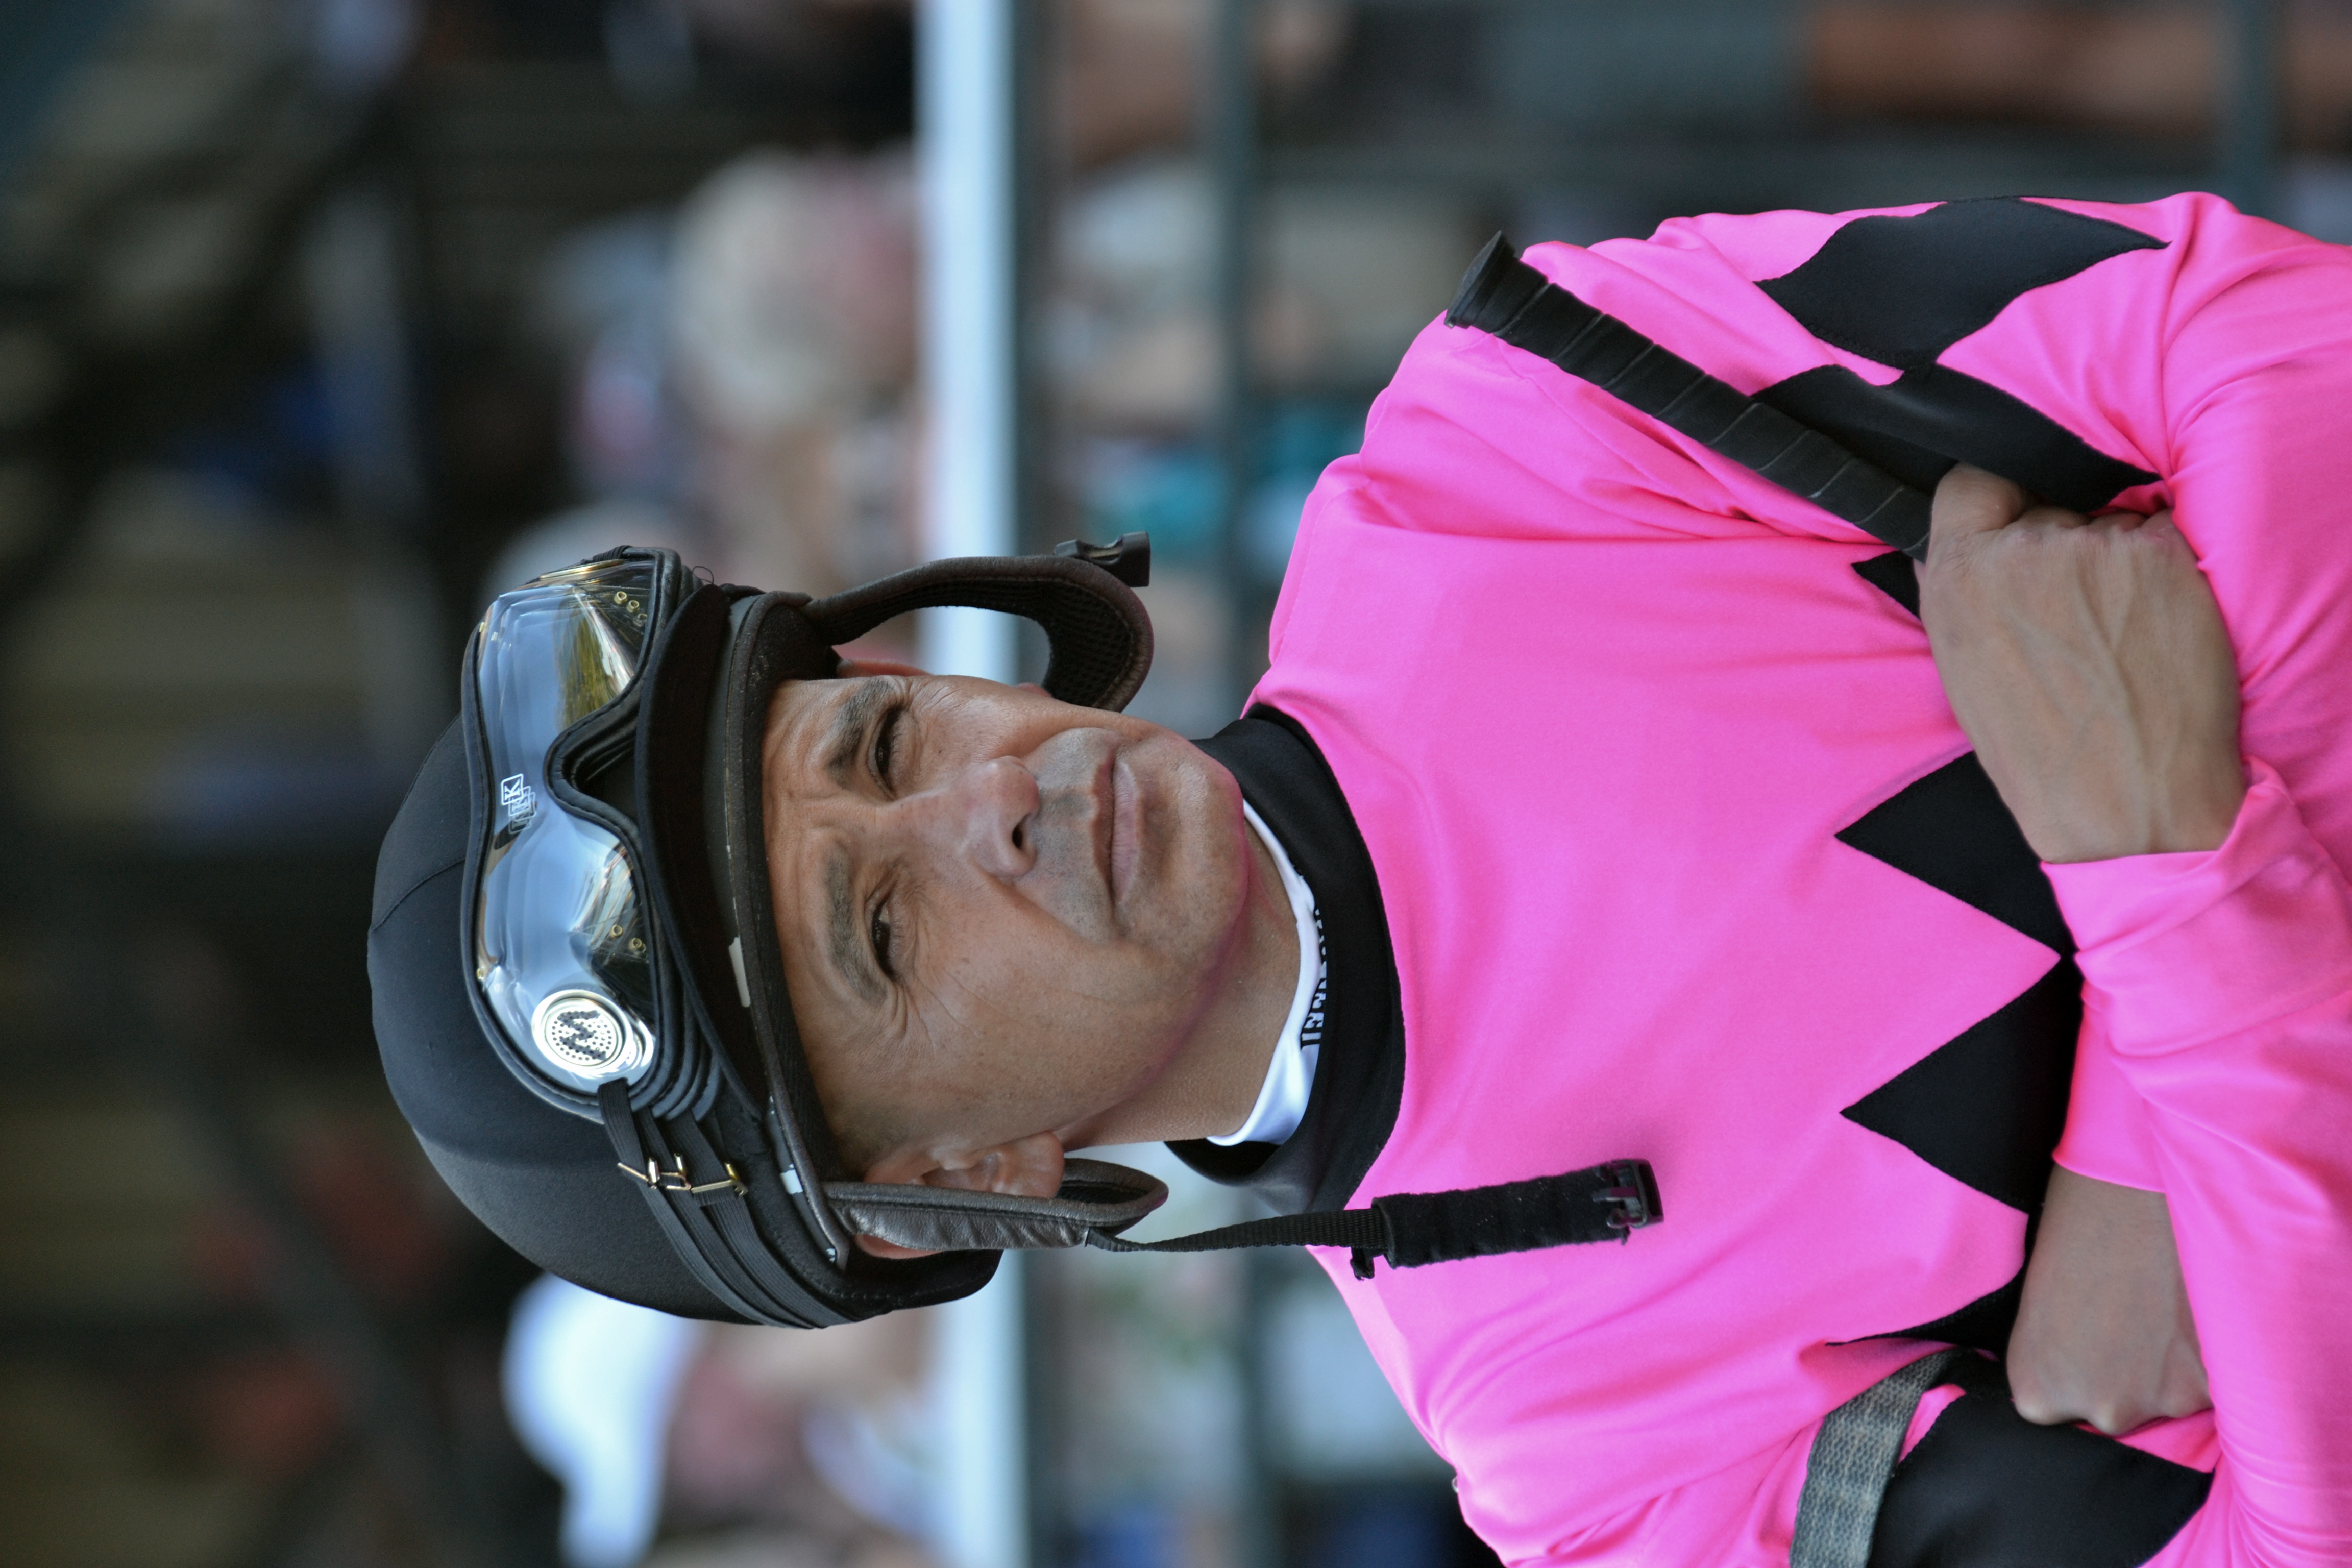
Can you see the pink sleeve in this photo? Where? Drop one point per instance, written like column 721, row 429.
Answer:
column 2223, row 985
column 2216, row 1052
column 2221, row 361
column 2106, row 1134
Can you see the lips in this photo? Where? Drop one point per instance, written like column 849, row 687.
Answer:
column 1117, row 827
column 1126, row 830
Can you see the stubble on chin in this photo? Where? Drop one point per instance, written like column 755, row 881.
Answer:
column 1198, row 850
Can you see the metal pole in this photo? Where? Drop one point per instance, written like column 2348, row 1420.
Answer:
column 2249, row 107
column 967, row 134
column 1257, row 1527
column 967, row 130
column 1229, row 142
column 1229, row 131
column 979, row 1379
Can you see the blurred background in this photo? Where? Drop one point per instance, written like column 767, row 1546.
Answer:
column 322, row 321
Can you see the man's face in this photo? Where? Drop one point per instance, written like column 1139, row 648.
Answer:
column 1001, row 915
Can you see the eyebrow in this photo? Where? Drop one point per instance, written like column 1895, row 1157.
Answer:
column 849, row 721
column 849, row 954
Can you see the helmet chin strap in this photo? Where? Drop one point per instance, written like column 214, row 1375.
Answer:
column 699, row 1198
column 1094, row 1196
column 1098, row 1200
column 704, row 1212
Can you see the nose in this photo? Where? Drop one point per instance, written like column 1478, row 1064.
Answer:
column 985, row 816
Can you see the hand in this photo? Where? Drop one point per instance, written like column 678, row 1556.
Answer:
column 2105, row 1333
column 2088, row 661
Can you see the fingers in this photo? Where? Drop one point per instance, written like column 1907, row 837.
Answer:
column 2087, row 662
column 1970, row 501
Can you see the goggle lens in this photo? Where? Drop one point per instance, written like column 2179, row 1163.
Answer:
column 562, row 954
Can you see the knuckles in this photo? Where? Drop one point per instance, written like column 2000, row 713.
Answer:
column 2048, row 551
column 2112, row 1416
column 2116, row 1419
column 2034, row 1404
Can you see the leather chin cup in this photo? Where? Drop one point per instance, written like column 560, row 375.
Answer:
column 1095, row 1197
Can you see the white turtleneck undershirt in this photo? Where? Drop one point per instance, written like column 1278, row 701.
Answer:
column 1290, row 1075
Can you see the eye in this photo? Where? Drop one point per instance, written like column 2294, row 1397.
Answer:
column 878, row 932
column 885, row 752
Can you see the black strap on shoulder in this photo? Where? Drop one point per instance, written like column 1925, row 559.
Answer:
column 1607, row 1203
column 1502, row 295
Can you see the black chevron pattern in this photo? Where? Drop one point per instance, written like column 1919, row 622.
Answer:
column 1901, row 290
column 1950, row 830
column 1985, row 1107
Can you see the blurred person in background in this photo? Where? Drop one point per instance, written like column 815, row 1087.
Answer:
column 794, row 316
column 681, row 1442
column 741, row 377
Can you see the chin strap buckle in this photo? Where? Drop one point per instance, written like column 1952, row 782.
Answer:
column 677, row 1180
column 1635, row 1194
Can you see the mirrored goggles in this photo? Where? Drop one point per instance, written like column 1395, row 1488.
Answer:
column 562, row 944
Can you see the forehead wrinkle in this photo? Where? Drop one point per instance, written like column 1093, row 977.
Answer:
column 849, row 725
column 849, row 956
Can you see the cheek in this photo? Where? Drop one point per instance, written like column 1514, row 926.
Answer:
column 1020, row 999
column 852, row 1064
column 1003, row 966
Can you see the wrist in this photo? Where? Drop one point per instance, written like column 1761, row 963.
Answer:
column 2193, row 819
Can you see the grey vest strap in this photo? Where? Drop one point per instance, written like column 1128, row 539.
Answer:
column 1853, row 1454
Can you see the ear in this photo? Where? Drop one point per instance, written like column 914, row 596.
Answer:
column 1027, row 1167
column 852, row 667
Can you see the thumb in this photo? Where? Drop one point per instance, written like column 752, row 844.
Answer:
column 1971, row 501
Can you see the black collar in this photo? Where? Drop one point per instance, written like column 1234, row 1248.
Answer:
column 1360, row 1076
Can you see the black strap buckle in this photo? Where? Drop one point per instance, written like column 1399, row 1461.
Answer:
column 1635, row 1195
column 680, row 1182
column 1126, row 558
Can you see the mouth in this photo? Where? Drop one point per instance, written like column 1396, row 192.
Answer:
column 1127, row 832
column 1119, row 835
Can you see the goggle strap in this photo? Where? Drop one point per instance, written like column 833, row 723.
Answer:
column 682, row 1216
column 727, row 1201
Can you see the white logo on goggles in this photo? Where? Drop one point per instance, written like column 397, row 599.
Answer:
column 518, row 800
column 587, row 1036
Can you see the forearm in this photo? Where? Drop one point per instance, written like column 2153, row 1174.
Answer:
column 2224, row 983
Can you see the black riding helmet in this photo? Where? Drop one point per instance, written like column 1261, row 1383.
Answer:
column 578, row 989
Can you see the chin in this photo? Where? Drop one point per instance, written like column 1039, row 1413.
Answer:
column 1191, row 886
